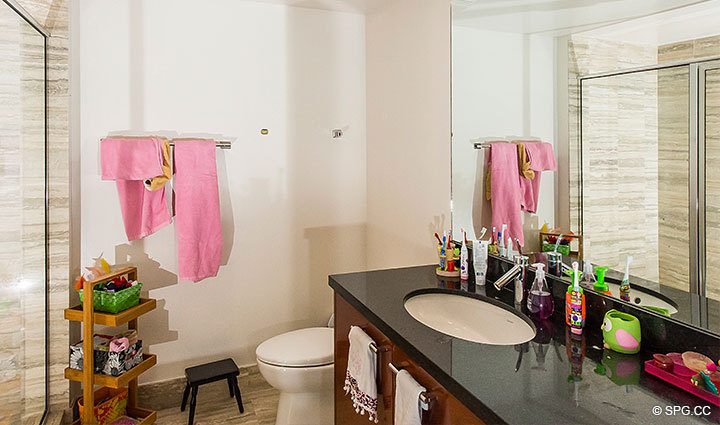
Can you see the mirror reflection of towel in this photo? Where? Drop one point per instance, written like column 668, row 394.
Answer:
column 541, row 157
column 505, row 188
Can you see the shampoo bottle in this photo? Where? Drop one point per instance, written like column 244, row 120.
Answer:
column 575, row 303
column 540, row 300
column 480, row 256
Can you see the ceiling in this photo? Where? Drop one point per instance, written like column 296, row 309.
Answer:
column 353, row 6
column 555, row 17
column 689, row 23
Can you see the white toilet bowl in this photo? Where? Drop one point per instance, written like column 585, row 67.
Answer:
column 300, row 365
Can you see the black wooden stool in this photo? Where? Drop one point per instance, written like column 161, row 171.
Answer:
column 207, row 373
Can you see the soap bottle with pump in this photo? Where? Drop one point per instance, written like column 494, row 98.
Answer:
column 575, row 303
column 540, row 300
column 600, row 285
column 588, row 276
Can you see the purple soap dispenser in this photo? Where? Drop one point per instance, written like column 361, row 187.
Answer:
column 540, row 299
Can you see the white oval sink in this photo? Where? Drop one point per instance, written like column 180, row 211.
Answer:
column 643, row 299
column 469, row 318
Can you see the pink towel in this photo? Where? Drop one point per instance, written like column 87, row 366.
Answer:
column 505, row 189
column 129, row 161
column 542, row 158
column 197, row 210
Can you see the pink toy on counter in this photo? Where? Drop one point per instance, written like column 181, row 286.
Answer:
column 197, row 210
column 129, row 161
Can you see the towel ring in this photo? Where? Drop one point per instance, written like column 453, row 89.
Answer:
column 425, row 397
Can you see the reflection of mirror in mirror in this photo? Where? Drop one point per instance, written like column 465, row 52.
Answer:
column 629, row 97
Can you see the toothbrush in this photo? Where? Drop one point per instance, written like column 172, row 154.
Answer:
column 482, row 233
column 438, row 238
column 494, row 232
column 557, row 243
column 443, row 252
column 625, row 285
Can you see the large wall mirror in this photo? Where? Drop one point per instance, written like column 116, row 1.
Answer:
column 628, row 95
column 23, row 214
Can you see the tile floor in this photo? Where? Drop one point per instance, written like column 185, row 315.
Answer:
column 214, row 405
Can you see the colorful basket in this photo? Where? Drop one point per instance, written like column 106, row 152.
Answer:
column 115, row 302
column 111, row 404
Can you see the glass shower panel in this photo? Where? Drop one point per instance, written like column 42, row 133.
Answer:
column 635, row 173
column 22, row 221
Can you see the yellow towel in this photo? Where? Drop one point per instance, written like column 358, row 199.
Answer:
column 524, row 162
column 156, row 183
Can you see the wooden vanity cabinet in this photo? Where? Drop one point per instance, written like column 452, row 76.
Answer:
column 444, row 408
column 346, row 316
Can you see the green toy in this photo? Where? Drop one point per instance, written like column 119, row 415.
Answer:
column 600, row 284
column 621, row 332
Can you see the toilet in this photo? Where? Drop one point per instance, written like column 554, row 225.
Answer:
column 299, row 364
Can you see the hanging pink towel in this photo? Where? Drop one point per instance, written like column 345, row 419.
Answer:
column 197, row 210
column 505, row 189
column 129, row 161
column 542, row 158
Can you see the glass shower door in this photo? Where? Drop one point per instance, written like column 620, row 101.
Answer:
column 23, row 231
column 709, row 141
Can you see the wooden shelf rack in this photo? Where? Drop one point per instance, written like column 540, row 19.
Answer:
column 85, row 313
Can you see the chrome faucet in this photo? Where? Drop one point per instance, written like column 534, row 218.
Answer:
column 516, row 274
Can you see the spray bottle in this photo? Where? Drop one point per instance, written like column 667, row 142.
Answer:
column 509, row 252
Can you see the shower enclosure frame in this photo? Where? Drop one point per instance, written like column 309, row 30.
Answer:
column 697, row 68
column 28, row 18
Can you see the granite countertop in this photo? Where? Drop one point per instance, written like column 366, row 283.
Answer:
column 549, row 387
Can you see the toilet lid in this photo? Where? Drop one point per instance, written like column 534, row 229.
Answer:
column 300, row 348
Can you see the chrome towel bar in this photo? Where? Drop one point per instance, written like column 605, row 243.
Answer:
column 425, row 397
column 375, row 349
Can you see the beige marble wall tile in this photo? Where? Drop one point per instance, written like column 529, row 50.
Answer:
column 619, row 155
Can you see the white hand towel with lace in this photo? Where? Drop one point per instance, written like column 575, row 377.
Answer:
column 407, row 399
column 361, row 375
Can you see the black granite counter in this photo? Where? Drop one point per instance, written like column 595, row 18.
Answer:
column 559, row 380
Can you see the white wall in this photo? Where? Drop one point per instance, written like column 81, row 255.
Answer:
column 408, row 130
column 503, row 85
column 293, row 202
